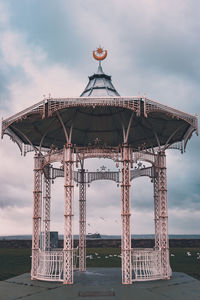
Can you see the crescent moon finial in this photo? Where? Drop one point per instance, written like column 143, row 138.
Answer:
column 100, row 54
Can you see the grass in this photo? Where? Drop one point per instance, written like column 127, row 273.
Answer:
column 181, row 262
column 14, row 262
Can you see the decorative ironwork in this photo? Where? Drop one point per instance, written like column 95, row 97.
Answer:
column 46, row 211
column 37, row 193
column 13, row 137
column 53, row 173
column 149, row 171
column 100, row 54
column 83, row 153
column 68, row 215
column 54, row 155
column 146, row 264
column 51, row 263
column 152, row 106
column 88, row 176
column 82, row 220
column 106, row 175
column 132, row 103
column 126, row 235
column 163, row 215
column 177, row 146
column 144, row 156
column 156, row 212
column 34, row 109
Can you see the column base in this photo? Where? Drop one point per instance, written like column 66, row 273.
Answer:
column 67, row 283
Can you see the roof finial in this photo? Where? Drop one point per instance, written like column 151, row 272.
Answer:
column 99, row 54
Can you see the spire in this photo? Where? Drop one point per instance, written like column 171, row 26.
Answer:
column 100, row 70
column 100, row 84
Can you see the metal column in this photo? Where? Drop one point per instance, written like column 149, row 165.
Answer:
column 126, row 236
column 82, row 221
column 156, row 208
column 163, row 215
column 68, row 214
column 46, row 210
column 37, row 195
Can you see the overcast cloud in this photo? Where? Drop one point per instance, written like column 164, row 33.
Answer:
column 153, row 49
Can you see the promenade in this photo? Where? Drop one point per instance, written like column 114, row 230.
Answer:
column 100, row 284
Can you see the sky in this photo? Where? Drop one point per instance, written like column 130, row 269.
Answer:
column 153, row 50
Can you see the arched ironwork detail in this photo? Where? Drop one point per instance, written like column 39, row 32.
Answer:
column 149, row 172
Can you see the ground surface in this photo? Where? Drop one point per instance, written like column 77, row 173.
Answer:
column 100, row 284
column 14, row 262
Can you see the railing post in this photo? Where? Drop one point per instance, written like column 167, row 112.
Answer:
column 82, row 221
column 163, row 215
column 37, row 202
column 68, row 214
column 126, row 235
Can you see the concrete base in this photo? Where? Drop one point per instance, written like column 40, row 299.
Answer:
column 100, row 284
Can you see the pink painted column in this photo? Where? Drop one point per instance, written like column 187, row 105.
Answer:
column 37, row 201
column 126, row 235
column 82, row 221
column 46, row 210
column 68, row 214
column 156, row 208
column 163, row 216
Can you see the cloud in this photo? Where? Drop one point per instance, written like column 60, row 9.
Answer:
column 16, row 221
column 32, row 74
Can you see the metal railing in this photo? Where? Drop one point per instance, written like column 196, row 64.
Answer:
column 146, row 264
column 51, row 264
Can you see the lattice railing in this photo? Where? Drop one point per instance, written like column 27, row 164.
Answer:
column 38, row 108
column 149, row 171
column 152, row 106
column 113, row 176
column 144, row 156
column 51, row 264
column 98, row 151
column 146, row 264
column 132, row 103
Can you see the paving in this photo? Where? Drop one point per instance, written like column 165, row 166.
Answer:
column 100, row 284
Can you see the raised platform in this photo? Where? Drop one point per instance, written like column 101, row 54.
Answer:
column 100, row 284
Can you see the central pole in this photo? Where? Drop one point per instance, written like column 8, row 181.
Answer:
column 68, row 214
column 126, row 236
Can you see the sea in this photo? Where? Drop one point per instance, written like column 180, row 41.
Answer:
column 133, row 236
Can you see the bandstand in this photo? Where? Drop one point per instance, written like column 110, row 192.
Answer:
column 98, row 124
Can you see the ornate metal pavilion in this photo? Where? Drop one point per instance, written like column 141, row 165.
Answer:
column 100, row 123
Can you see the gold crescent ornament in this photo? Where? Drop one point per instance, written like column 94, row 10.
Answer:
column 100, row 54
